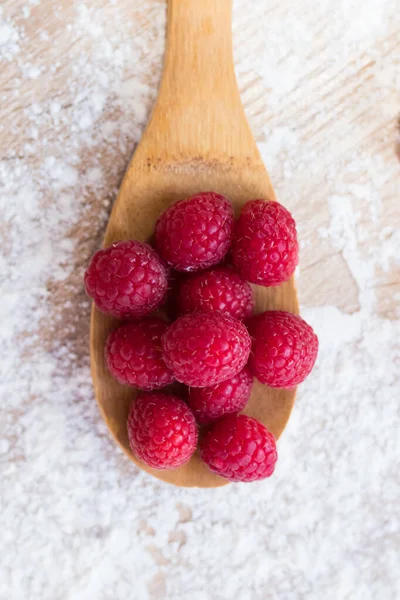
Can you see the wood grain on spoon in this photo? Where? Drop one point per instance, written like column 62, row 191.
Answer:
column 197, row 139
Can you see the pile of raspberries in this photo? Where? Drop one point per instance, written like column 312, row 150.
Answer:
column 198, row 274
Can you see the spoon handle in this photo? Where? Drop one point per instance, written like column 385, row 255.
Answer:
column 198, row 97
column 199, row 49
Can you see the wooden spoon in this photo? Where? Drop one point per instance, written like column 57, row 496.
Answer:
column 197, row 139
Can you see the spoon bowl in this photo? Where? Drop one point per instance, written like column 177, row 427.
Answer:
column 197, row 139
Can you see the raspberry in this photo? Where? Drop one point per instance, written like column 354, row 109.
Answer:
column 219, row 289
column 195, row 233
column 162, row 431
column 265, row 248
column 284, row 348
column 239, row 448
column 126, row 279
column 204, row 349
column 133, row 354
column 230, row 396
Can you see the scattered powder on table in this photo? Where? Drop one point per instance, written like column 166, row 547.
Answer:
column 78, row 520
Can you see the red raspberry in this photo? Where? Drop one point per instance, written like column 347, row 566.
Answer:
column 219, row 289
column 265, row 248
column 204, row 349
column 284, row 348
column 239, row 448
column 133, row 354
column 162, row 431
column 126, row 280
column 195, row 233
column 231, row 396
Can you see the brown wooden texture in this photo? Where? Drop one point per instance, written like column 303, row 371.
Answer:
column 197, row 139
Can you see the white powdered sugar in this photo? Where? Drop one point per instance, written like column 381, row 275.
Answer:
column 78, row 520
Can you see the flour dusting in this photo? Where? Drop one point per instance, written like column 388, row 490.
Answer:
column 78, row 520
